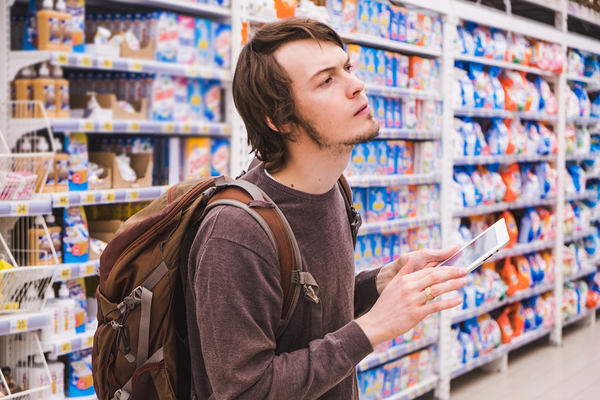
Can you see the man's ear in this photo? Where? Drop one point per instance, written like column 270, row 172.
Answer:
column 271, row 124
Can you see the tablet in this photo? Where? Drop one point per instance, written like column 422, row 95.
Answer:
column 481, row 248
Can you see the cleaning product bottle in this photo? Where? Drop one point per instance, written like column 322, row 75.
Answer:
column 44, row 90
column 66, row 32
column 61, row 168
column 67, row 310
column 38, row 376
column 24, row 92
column 62, row 93
column 48, row 27
column 55, row 236
column 52, row 331
column 57, row 377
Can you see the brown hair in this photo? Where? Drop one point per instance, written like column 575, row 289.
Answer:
column 262, row 88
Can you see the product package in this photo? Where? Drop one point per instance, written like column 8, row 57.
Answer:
column 75, row 235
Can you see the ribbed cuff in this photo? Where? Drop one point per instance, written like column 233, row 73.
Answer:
column 355, row 342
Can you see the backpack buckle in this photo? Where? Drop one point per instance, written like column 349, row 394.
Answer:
column 310, row 294
column 357, row 223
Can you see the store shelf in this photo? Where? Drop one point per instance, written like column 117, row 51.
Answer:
column 21, row 59
column 107, row 196
column 464, row 315
column 584, row 121
column 397, row 225
column 579, row 235
column 520, row 249
column 504, row 159
column 528, row 337
column 581, row 157
column 492, row 208
column 176, row 5
column 418, row 390
column 401, row 93
column 478, row 362
column 592, row 262
column 373, row 360
column 412, row 134
column 23, row 322
column 583, row 79
column 592, row 175
column 579, row 316
column 585, row 271
column 379, row 43
column 393, row 180
column 90, row 397
column 65, row 272
column 24, row 208
column 536, row 116
column 130, row 126
column 66, row 345
column 586, row 194
column 483, row 113
column 502, row 64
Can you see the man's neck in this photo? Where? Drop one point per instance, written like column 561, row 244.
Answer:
column 312, row 171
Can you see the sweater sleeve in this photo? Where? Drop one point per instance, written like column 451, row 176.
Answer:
column 238, row 300
column 365, row 291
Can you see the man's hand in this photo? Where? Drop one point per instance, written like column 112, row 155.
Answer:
column 403, row 303
column 426, row 258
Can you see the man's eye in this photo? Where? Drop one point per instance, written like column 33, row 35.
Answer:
column 349, row 68
column 327, row 82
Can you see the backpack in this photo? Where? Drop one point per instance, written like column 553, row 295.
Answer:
column 140, row 349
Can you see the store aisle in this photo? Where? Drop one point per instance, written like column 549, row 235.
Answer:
column 542, row 372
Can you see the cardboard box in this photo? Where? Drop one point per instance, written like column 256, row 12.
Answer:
column 140, row 163
column 146, row 51
column 106, row 177
column 104, row 230
column 108, row 102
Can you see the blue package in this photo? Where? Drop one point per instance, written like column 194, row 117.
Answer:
column 543, row 173
column 376, row 207
column 379, row 109
column 377, row 246
column 367, row 253
column 364, row 17
column 479, row 45
column 392, row 203
column 375, row 9
column 537, row 275
column 383, row 154
column 80, row 373
column 473, row 146
column 467, row 43
column 584, row 100
column 219, row 157
column 481, row 82
column 498, row 138
column 394, row 23
column 578, row 176
column 394, row 244
column 393, row 153
column 471, row 326
column 466, row 87
column 530, row 187
column 222, row 45
column 358, row 159
column 397, row 107
column 381, row 66
column 370, row 66
column 203, row 40
column 371, row 158
column 358, row 256
column 359, row 198
column 195, row 93
column 211, row 96
column 471, row 195
column 384, row 21
column 592, row 67
column 391, row 65
column 389, row 113
column 595, row 110
column 531, row 226
column 499, row 95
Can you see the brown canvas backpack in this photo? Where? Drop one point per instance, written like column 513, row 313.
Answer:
column 140, row 348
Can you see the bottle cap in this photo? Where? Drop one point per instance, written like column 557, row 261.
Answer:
column 38, row 359
column 39, row 220
column 50, row 218
column 50, row 293
column 57, row 72
column 41, row 144
column 25, row 145
column 47, row 5
column 26, row 73
column 58, row 147
column 44, row 71
column 52, row 356
column 61, row 6
column 63, row 292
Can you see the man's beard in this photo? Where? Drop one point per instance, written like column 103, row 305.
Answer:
column 323, row 143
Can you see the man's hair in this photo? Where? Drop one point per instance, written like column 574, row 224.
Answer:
column 262, row 88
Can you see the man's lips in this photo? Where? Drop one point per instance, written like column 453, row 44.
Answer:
column 363, row 110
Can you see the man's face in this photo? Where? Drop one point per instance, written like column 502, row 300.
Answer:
column 330, row 104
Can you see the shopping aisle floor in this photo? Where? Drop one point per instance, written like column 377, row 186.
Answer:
column 540, row 371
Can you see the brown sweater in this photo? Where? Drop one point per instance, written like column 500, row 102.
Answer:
column 235, row 303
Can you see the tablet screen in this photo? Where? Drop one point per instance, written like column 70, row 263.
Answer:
column 467, row 256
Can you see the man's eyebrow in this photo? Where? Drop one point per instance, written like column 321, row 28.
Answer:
column 328, row 69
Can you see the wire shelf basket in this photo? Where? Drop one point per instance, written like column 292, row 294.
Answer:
column 27, row 154
column 30, row 379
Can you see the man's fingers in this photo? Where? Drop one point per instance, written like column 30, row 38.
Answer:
column 437, row 306
column 446, row 287
column 439, row 275
column 440, row 255
column 408, row 267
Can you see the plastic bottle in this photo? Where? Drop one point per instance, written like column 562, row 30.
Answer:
column 38, row 376
column 55, row 235
column 57, row 377
column 24, row 92
column 48, row 27
column 44, row 90
column 52, row 331
column 67, row 310
column 62, row 93
column 61, row 168
column 66, row 33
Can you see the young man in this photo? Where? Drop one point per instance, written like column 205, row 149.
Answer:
column 304, row 111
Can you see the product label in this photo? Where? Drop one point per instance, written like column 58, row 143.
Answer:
column 64, row 98
column 54, row 28
column 50, row 97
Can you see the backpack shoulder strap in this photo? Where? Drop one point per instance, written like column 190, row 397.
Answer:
column 244, row 195
column 353, row 216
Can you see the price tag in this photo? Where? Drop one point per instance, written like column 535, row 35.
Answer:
column 65, row 347
column 191, row 72
column 186, row 128
column 412, row 134
column 90, row 269
column 85, row 61
column 226, row 129
column 87, row 198
column 20, row 209
column 385, row 181
column 133, row 195
column 169, row 127
column 386, row 91
column 366, row 90
column 393, row 354
column 106, row 63
column 135, row 66
column 65, row 273
column 208, row 73
column 421, row 391
column 107, row 126
column 63, row 200
column 108, row 197
column 63, row 59
column 86, row 125
column 470, row 364
column 364, row 365
column 133, row 126
column 19, row 325
column 205, row 129
column 90, row 341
